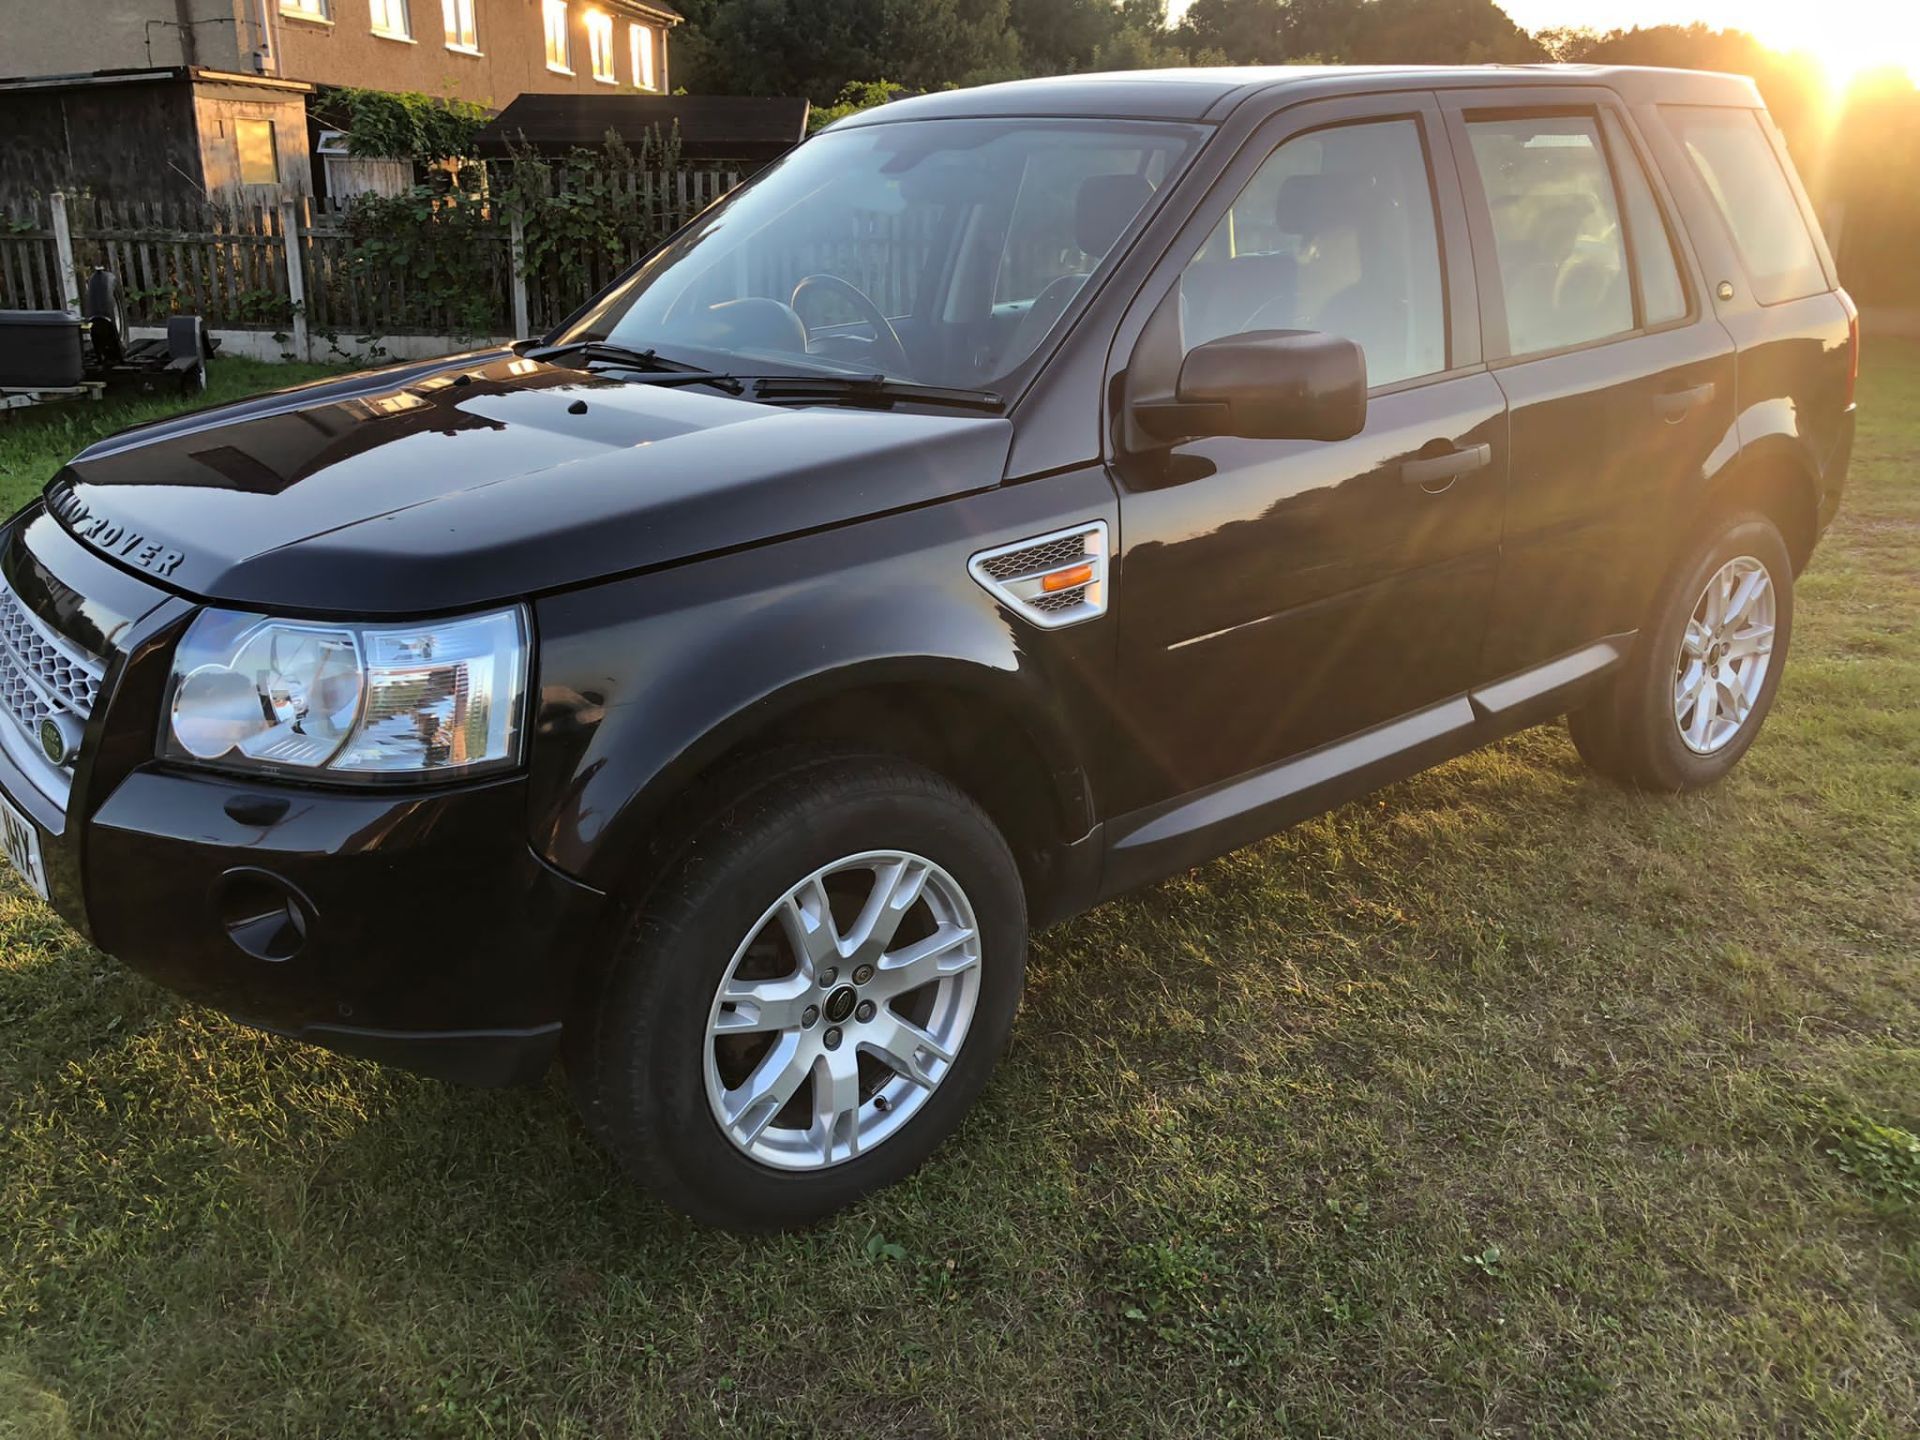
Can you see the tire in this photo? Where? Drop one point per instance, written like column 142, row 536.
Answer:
column 1640, row 730
column 652, row 1076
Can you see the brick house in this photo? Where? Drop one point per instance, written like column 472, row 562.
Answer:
column 143, row 99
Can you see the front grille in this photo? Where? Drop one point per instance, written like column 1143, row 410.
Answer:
column 40, row 674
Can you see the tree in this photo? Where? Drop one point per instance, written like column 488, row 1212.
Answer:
column 817, row 47
column 1426, row 32
column 1246, row 32
column 1058, row 36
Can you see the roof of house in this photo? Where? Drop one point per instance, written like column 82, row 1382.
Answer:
column 712, row 127
column 89, row 79
column 654, row 7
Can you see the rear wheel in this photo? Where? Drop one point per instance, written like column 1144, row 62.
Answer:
column 1703, row 674
column 811, row 1001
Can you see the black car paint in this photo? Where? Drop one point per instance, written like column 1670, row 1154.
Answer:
column 499, row 477
column 1292, row 624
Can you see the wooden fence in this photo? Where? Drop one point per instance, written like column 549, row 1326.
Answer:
column 293, row 269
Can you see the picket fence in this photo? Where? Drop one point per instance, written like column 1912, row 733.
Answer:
column 289, row 268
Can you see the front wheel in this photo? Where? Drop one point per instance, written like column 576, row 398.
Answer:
column 1703, row 675
column 811, row 1001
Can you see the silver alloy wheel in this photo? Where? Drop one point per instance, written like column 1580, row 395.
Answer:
column 1724, row 655
column 842, row 1010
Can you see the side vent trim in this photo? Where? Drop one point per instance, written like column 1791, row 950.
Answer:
column 1050, row 580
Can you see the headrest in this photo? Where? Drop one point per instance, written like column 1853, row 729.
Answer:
column 1313, row 204
column 1104, row 206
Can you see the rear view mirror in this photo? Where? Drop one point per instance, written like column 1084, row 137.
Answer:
column 1265, row 385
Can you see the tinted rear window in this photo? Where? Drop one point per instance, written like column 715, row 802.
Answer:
column 1735, row 159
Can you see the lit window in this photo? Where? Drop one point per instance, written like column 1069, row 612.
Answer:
column 258, row 162
column 305, row 9
column 558, row 57
column 390, row 19
column 641, row 38
column 461, row 32
column 600, row 42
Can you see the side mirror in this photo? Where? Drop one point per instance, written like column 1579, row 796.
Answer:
column 1265, row 385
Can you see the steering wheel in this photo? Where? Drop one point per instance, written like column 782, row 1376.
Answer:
column 886, row 339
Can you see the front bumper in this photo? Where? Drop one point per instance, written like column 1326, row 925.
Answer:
column 419, row 930
column 416, row 927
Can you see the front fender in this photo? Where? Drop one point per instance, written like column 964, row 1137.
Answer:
column 644, row 683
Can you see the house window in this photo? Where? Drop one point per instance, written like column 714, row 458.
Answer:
column 558, row 57
column 462, row 34
column 600, row 43
column 390, row 19
column 641, row 38
column 305, row 9
column 259, row 164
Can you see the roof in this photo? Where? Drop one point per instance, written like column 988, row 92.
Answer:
column 656, row 9
column 712, row 127
column 89, row 79
column 1210, row 93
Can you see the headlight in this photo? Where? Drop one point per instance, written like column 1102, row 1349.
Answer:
column 356, row 702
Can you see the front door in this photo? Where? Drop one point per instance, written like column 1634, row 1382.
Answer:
column 1273, row 596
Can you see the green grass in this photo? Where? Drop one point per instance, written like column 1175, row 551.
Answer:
column 1500, row 1102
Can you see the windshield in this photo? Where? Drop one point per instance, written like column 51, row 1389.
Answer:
column 938, row 252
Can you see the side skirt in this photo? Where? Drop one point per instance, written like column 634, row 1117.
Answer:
column 1175, row 835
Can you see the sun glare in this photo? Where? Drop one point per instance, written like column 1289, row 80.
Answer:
column 1844, row 38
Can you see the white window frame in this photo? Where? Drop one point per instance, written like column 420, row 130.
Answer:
column 461, row 26
column 641, row 40
column 315, row 11
column 398, row 23
column 600, row 53
column 554, row 18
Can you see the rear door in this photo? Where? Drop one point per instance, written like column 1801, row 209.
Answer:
column 1620, row 385
column 1275, row 595
column 1772, row 284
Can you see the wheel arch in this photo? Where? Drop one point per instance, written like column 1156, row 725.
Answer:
column 1773, row 474
column 989, row 730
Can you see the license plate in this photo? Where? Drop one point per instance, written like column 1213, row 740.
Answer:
column 21, row 839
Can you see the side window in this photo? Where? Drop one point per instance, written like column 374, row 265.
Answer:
column 1556, row 230
column 1736, row 161
column 1336, row 232
column 1662, row 297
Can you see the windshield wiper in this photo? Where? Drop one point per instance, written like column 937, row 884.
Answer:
column 875, row 390
column 607, row 350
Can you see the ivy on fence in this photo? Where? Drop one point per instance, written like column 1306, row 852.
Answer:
column 579, row 217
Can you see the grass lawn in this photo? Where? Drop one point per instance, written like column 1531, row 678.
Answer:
column 1500, row 1102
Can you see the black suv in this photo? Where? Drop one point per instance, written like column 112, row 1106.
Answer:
column 1011, row 497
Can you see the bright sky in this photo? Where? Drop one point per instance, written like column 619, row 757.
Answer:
column 1847, row 35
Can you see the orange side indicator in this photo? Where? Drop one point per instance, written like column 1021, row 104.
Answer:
column 1071, row 579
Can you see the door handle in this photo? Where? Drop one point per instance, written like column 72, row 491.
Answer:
column 1433, row 469
column 1676, row 404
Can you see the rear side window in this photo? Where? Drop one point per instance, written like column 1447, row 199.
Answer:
column 1336, row 233
column 1556, row 230
column 1736, row 162
column 1662, row 297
